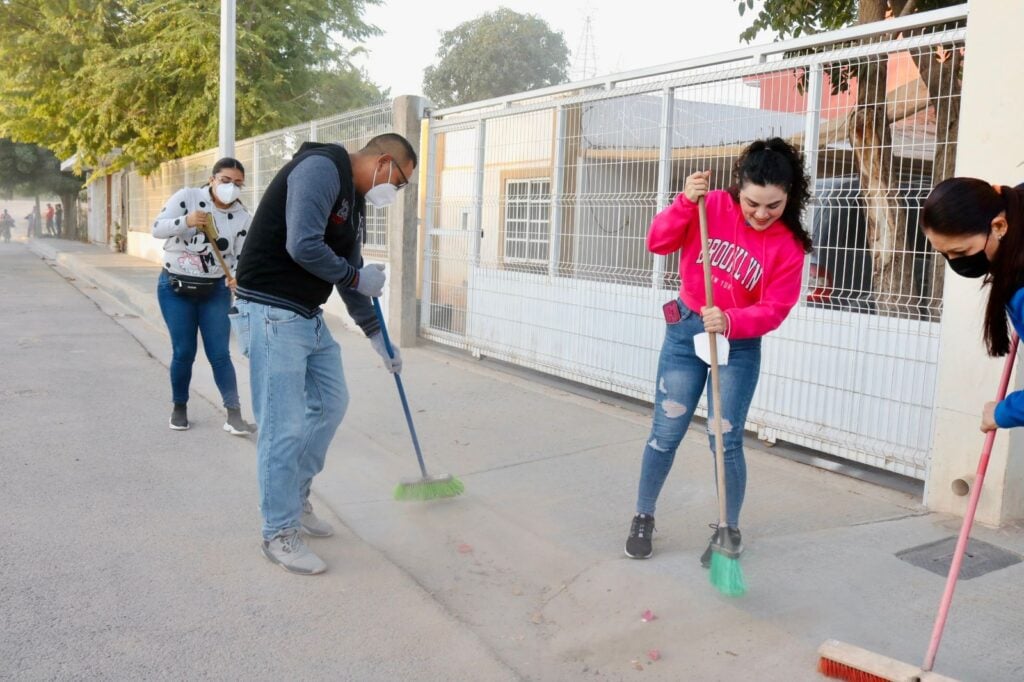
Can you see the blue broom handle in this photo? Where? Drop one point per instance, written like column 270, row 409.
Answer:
column 398, row 382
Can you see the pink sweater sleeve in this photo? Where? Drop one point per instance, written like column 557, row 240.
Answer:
column 781, row 292
column 668, row 229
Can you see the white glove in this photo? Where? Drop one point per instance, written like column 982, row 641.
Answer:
column 371, row 280
column 391, row 364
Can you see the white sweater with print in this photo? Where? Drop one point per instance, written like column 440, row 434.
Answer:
column 186, row 249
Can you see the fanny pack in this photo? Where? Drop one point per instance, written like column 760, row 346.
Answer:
column 193, row 287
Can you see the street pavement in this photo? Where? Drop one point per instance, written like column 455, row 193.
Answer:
column 141, row 558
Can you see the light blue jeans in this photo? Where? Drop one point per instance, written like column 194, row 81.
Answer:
column 682, row 377
column 299, row 398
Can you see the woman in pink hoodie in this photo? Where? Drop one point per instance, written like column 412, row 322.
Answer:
column 757, row 247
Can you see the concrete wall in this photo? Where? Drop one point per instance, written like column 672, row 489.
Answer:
column 990, row 147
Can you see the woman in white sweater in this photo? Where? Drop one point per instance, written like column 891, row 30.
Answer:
column 195, row 292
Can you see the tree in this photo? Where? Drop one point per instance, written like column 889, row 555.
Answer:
column 141, row 76
column 31, row 170
column 498, row 53
column 868, row 125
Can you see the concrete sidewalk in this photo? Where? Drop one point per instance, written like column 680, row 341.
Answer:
column 530, row 558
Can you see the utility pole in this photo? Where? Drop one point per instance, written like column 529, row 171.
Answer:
column 227, row 78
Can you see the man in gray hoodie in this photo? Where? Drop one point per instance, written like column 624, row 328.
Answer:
column 304, row 241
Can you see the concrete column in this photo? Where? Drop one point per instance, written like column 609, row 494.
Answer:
column 403, row 228
column 990, row 147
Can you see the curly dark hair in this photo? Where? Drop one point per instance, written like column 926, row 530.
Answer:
column 776, row 162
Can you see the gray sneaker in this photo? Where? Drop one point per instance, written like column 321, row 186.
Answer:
column 179, row 417
column 287, row 550
column 237, row 426
column 312, row 525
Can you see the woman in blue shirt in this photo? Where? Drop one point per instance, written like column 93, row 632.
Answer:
column 979, row 228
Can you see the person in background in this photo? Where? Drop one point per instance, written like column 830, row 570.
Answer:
column 58, row 218
column 49, row 220
column 6, row 225
column 194, row 292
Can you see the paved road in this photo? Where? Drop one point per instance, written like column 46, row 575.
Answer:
column 131, row 551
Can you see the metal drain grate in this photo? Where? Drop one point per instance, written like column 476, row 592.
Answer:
column 979, row 559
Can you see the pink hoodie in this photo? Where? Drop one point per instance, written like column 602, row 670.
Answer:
column 756, row 275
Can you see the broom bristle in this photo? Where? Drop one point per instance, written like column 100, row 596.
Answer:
column 841, row 671
column 727, row 576
column 429, row 489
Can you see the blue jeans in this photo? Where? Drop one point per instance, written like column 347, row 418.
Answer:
column 299, row 398
column 185, row 317
column 682, row 377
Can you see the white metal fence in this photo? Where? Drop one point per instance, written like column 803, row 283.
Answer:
column 262, row 157
column 537, row 207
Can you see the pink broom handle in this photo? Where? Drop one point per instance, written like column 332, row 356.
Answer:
column 965, row 529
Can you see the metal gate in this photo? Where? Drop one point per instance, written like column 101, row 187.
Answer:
column 537, row 207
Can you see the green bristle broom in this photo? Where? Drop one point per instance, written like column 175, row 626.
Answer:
column 426, row 487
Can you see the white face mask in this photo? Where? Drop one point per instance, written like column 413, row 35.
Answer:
column 227, row 192
column 382, row 195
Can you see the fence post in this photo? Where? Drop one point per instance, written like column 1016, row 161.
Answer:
column 812, row 126
column 664, row 175
column 403, row 230
column 426, row 291
column 477, row 218
column 558, row 176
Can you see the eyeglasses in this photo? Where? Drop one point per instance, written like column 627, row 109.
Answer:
column 405, row 180
column 224, row 180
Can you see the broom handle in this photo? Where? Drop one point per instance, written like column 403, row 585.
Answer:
column 216, row 251
column 401, row 389
column 716, row 400
column 965, row 529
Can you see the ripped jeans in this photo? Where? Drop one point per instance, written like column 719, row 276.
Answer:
column 682, row 377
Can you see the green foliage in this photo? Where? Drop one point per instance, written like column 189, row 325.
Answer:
column 793, row 18
column 498, row 53
column 141, row 76
column 32, row 170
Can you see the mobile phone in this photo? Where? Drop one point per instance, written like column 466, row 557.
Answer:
column 671, row 312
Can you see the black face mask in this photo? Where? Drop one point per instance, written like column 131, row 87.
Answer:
column 973, row 266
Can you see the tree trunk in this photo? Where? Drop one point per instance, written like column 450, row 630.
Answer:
column 37, row 220
column 941, row 73
column 69, row 229
column 894, row 288
column 892, row 264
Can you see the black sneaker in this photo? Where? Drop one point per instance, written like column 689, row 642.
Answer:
column 237, row 426
column 735, row 544
column 179, row 417
column 638, row 544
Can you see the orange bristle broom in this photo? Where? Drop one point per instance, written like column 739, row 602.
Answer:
column 847, row 662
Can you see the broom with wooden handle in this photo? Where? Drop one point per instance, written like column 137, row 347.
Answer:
column 726, row 573
column 210, row 230
column 847, row 662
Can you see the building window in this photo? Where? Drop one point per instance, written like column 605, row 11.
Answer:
column 527, row 220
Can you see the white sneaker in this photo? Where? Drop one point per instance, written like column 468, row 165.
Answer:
column 237, row 426
column 289, row 551
column 312, row 525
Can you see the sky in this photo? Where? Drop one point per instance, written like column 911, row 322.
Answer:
column 624, row 38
